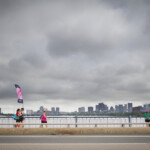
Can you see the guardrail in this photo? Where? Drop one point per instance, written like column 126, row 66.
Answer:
column 76, row 121
column 71, row 116
column 76, row 124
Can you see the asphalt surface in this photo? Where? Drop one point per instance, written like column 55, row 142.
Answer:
column 83, row 146
column 75, row 142
column 74, row 139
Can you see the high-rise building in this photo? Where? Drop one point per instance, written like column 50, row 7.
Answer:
column 90, row 109
column 57, row 110
column 29, row 112
column 120, row 108
column 144, row 108
column 111, row 109
column 97, row 108
column 53, row 110
column 105, row 108
column 41, row 109
column 147, row 107
column 81, row 109
column 100, row 107
column 130, row 105
column 116, row 108
column 125, row 108
column 136, row 109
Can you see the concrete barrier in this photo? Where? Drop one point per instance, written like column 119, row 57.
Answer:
column 75, row 131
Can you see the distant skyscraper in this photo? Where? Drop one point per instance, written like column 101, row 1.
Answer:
column 101, row 107
column 53, row 110
column 29, row 112
column 111, row 109
column 81, row 109
column 97, row 108
column 57, row 110
column 147, row 107
column 130, row 105
column 144, row 108
column 41, row 109
column 120, row 108
column 105, row 108
column 90, row 109
column 116, row 108
column 136, row 109
column 125, row 108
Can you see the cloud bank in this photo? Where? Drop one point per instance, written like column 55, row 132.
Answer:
column 74, row 52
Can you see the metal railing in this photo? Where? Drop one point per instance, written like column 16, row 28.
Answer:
column 77, row 124
column 77, row 121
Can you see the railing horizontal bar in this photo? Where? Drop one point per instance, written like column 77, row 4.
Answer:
column 75, row 117
column 73, row 123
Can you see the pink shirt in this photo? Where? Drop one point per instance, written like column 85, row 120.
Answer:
column 43, row 118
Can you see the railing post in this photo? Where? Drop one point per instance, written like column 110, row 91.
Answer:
column 76, row 121
column 41, row 126
column 130, row 121
column 95, row 125
column 68, row 125
column 123, row 125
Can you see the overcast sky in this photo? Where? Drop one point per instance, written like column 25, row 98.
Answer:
column 74, row 53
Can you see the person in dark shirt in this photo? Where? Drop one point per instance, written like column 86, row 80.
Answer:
column 22, row 116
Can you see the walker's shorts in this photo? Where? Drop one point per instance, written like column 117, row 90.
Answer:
column 21, row 118
column 18, row 120
column 43, row 121
column 147, row 120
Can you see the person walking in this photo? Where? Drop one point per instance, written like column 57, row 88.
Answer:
column 18, row 113
column 22, row 116
column 147, row 118
column 44, row 118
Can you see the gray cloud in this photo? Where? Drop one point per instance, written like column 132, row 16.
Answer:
column 75, row 52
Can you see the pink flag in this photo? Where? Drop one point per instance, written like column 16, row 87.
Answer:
column 19, row 93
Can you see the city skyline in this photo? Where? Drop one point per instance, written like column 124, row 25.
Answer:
column 99, row 108
column 76, row 108
column 74, row 53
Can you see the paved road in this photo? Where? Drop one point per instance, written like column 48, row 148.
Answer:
column 75, row 142
column 74, row 139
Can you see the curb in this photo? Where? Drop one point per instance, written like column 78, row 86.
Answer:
column 75, row 131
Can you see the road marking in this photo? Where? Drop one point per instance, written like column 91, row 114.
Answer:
column 74, row 143
column 139, row 136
